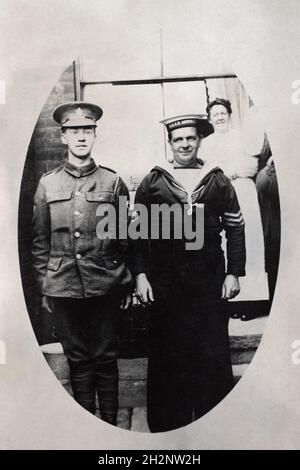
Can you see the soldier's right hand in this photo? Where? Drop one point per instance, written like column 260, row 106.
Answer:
column 46, row 304
column 144, row 291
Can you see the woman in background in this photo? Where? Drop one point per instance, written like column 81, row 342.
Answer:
column 268, row 196
column 225, row 148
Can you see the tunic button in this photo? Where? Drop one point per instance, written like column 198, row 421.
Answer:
column 77, row 234
column 77, row 193
column 78, row 256
column 76, row 213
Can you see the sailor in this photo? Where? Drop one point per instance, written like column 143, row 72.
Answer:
column 189, row 369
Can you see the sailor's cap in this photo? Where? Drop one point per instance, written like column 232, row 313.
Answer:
column 199, row 121
column 77, row 114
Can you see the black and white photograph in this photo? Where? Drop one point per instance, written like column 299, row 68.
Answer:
column 149, row 202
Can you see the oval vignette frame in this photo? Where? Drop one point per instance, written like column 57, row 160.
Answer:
column 44, row 153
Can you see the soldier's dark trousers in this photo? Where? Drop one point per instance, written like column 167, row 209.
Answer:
column 89, row 332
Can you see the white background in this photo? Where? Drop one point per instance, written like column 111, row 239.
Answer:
column 260, row 41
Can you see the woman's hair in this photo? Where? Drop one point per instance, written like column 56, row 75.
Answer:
column 218, row 102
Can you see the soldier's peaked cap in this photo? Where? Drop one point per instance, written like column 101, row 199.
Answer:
column 199, row 121
column 77, row 114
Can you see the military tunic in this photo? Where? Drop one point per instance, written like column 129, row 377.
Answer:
column 70, row 259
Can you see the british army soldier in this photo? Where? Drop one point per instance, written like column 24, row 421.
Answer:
column 84, row 275
column 189, row 369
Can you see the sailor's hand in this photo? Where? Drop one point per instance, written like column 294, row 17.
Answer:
column 231, row 287
column 144, row 291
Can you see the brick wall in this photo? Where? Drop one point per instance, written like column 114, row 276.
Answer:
column 45, row 152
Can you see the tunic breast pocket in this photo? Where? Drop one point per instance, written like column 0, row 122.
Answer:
column 99, row 206
column 60, row 210
column 99, row 196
